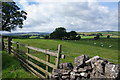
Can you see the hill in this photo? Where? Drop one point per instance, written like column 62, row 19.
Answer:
column 25, row 33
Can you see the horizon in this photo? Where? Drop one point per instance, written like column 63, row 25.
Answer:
column 6, row 32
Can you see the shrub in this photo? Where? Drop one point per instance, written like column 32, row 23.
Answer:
column 108, row 36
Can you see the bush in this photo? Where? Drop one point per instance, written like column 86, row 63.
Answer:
column 46, row 37
column 97, row 37
column 108, row 36
column 78, row 37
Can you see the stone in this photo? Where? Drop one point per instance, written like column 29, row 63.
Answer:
column 83, row 74
column 88, row 68
column 75, row 70
column 78, row 78
column 66, row 77
column 56, row 74
column 56, row 71
column 72, row 75
column 99, row 66
column 80, row 61
column 98, row 69
column 94, row 59
column 77, row 74
column 96, row 74
column 65, row 72
column 112, row 70
column 85, row 69
column 81, row 70
column 66, row 66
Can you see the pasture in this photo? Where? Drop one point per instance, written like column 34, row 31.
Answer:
column 11, row 68
column 114, row 33
column 106, row 48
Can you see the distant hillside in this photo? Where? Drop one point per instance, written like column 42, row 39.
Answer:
column 114, row 33
column 107, row 31
column 25, row 33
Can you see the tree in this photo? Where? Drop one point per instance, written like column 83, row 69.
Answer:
column 100, row 34
column 97, row 37
column 46, row 37
column 78, row 37
column 12, row 16
column 59, row 33
column 72, row 35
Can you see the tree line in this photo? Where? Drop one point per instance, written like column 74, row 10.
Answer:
column 62, row 34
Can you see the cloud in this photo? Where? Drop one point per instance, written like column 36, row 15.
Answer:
column 78, row 16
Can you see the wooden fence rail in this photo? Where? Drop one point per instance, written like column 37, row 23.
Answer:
column 25, row 57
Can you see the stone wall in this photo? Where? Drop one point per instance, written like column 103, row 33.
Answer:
column 87, row 68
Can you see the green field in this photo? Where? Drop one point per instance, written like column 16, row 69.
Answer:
column 11, row 68
column 106, row 48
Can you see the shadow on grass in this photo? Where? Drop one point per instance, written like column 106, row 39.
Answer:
column 11, row 67
column 7, row 60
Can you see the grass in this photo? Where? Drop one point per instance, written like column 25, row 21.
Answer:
column 11, row 68
column 73, row 49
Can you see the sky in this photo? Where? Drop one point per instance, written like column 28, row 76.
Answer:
column 80, row 16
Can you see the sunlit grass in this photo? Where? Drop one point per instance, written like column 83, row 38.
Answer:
column 75, row 48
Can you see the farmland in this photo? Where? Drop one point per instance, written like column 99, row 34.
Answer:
column 113, row 33
column 37, row 36
column 106, row 48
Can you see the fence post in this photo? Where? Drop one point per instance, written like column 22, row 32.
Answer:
column 17, row 48
column 28, row 51
column 48, row 60
column 9, row 44
column 3, row 46
column 58, row 56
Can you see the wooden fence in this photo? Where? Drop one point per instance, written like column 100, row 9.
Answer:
column 29, row 61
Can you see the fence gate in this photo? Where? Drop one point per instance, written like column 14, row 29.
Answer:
column 31, row 62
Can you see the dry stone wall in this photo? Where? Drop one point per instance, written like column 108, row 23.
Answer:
column 87, row 68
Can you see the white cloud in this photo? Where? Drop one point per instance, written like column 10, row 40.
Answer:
column 79, row 16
